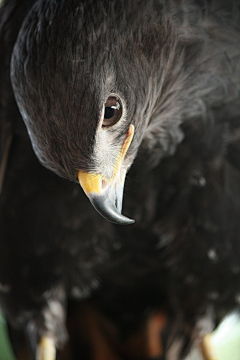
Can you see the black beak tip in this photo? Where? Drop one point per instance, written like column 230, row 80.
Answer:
column 122, row 221
column 108, row 210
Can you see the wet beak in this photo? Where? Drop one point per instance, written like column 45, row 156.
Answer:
column 106, row 194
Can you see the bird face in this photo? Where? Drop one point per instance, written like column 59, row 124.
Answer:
column 105, row 192
column 105, row 186
column 81, row 82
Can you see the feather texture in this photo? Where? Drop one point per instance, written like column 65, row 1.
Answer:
column 176, row 65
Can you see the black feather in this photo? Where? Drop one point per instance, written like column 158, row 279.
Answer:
column 176, row 64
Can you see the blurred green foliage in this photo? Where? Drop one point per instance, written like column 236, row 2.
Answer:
column 6, row 352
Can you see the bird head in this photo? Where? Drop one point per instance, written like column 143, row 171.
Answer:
column 83, row 81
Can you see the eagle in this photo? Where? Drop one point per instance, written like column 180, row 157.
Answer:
column 104, row 103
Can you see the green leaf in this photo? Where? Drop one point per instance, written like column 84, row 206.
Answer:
column 6, row 351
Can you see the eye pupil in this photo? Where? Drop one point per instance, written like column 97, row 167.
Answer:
column 112, row 111
column 109, row 112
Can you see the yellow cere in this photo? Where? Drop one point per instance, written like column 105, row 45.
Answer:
column 126, row 143
column 92, row 183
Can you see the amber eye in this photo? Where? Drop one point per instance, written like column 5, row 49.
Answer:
column 112, row 111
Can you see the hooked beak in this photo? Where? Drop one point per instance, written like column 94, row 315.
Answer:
column 109, row 203
column 106, row 194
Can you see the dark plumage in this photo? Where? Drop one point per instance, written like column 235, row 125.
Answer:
column 175, row 68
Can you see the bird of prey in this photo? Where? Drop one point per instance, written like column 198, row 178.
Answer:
column 97, row 92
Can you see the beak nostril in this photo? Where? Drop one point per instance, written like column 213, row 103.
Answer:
column 104, row 184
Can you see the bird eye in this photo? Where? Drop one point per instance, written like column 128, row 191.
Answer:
column 112, row 111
